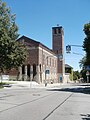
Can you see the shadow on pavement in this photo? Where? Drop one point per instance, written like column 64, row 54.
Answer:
column 83, row 84
column 85, row 90
column 85, row 117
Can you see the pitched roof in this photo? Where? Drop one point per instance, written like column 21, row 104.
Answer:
column 32, row 42
column 68, row 66
column 28, row 40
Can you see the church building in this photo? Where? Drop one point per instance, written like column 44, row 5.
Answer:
column 43, row 64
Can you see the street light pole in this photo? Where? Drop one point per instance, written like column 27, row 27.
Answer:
column 46, row 71
column 78, row 54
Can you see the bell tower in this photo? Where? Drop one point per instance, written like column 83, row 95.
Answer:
column 58, row 49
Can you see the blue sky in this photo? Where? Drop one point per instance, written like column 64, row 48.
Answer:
column 35, row 19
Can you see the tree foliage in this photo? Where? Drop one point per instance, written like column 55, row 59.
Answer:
column 83, row 74
column 86, row 43
column 12, row 53
column 76, row 75
column 82, row 62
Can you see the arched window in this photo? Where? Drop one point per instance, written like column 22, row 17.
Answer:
column 28, row 70
column 23, row 69
column 34, row 70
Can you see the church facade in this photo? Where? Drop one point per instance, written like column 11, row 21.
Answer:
column 43, row 64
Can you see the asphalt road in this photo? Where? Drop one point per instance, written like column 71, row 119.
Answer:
column 66, row 103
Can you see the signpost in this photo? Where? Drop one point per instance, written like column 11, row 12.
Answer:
column 60, row 78
column 5, row 77
column 68, row 48
column 88, row 67
column 87, row 74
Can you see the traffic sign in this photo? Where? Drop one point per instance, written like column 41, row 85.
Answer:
column 87, row 73
column 68, row 48
column 88, row 67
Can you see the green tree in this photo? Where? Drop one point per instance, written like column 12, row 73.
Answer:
column 86, row 43
column 76, row 75
column 86, row 47
column 83, row 74
column 12, row 53
column 82, row 62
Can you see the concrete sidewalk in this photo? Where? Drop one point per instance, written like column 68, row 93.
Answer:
column 33, row 84
column 28, row 84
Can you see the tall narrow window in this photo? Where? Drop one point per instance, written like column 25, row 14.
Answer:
column 28, row 70
column 34, row 70
column 59, row 30
column 47, row 60
column 53, row 62
column 23, row 69
column 50, row 61
column 55, row 31
column 43, row 59
column 40, row 67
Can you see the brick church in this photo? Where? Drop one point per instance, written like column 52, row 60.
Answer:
column 43, row 64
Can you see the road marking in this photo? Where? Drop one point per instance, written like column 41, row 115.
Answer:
column 58, row 106
column 27, row 102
